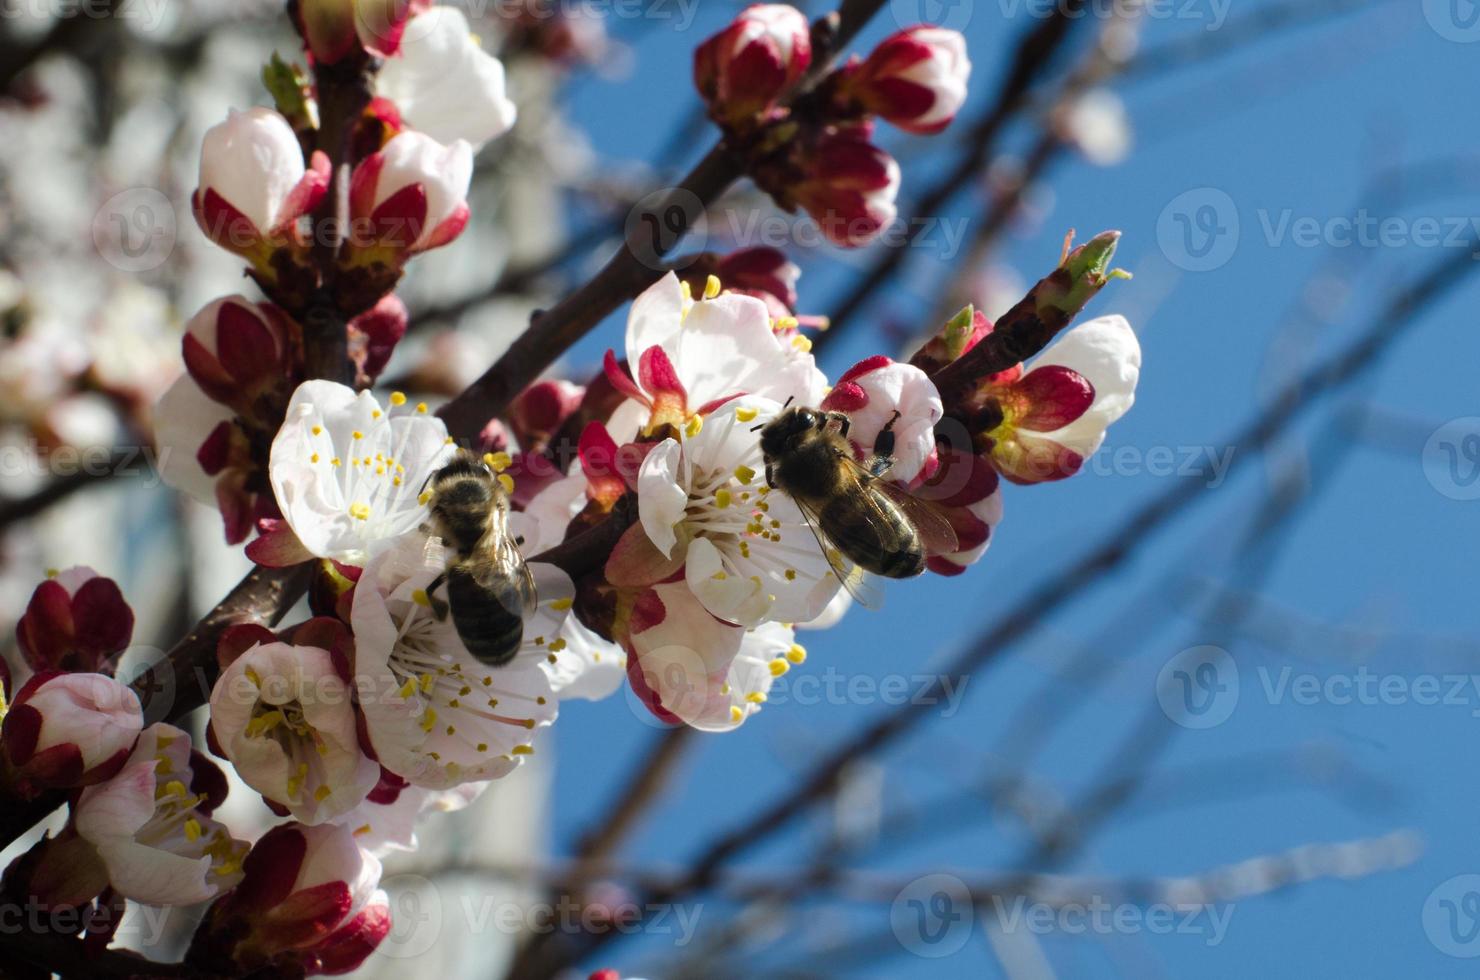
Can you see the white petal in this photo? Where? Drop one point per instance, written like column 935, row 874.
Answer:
column 183, row 419
column 444, row 83
column 1106, row 352
column 154, row 876
column 661, row 498
column 589, row 668
column 253, row 161
column 656, row 318
column 686, row 659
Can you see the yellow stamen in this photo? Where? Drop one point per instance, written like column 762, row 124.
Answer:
column 712, row 287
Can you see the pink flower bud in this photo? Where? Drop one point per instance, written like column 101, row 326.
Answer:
column 744, row 69
column 542, row 408
column 410, row 197
column 68, row 730
column 374, row 334
column 1046, row 421
column 877, row 392
column 77, row 620
column 915, row 79
column 309, row 903
column 849, row 188
column 336, row 29
column 253, row 183
column 238, row 351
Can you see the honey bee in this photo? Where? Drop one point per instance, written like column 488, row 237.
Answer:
column 490, row 590
column 853, row 510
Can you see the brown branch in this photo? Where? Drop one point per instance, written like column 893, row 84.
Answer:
column 22, row 508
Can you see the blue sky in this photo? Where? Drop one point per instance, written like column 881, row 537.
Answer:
column 1286, row 134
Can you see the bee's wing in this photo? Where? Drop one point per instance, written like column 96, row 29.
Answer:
column 935, row 531
column 505, row 574
column 512, row 565
column 859, row 583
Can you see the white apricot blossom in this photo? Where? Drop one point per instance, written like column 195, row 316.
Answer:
column 435, row 715
column 686, row 356
column 348, row 473
column 746, row 552
column 284, row 716
column 692, row 668
column 152, row 828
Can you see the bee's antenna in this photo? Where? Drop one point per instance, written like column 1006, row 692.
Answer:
column 757, row 428
column 789, row 400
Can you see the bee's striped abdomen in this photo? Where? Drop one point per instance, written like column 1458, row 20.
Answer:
column 847, row 520
column 489, row 629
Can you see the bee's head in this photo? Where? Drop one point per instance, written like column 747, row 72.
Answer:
column 783, row 431
column 463, row 496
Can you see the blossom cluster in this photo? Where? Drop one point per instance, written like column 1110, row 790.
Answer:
column 815, row 149
column 661, row 547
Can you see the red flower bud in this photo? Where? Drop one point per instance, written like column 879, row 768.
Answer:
column 68, row 730
column 239, row 351
column 763, row 272
column 373, row 336
column 76, row 620
column 542, row 408
column 744, row 69
column 335, row 29
column 308, row 903
column 915, row 79
column 849, row 188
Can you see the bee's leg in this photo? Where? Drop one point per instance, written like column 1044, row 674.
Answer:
column 883, row 456
column 770, row 480
column 439, row 606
